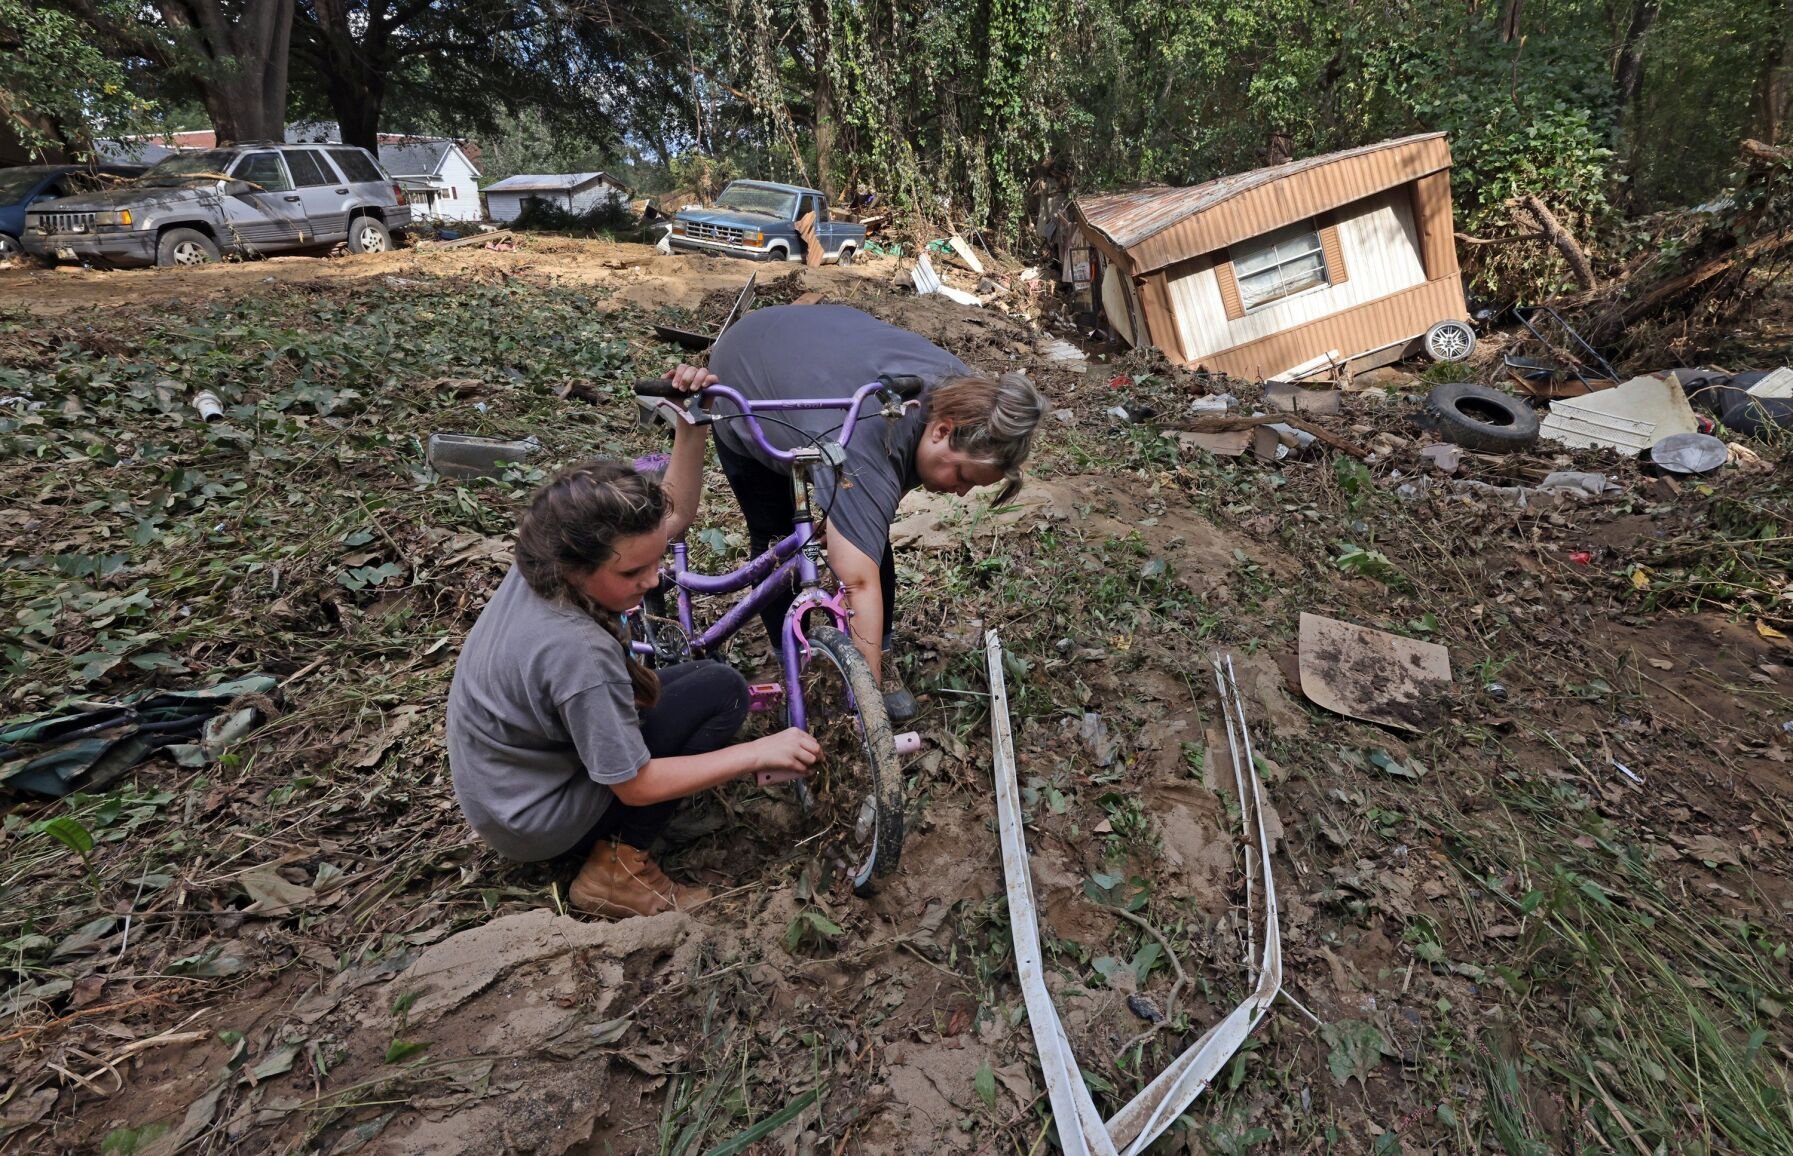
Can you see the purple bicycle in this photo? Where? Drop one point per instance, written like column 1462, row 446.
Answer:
column 857, row 786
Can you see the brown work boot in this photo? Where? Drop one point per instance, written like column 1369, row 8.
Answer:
column 618, row 881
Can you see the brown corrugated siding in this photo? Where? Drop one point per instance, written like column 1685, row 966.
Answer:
column 1351, row 332
column 1295, row 197
column 1432, row 218
column 1160, row 315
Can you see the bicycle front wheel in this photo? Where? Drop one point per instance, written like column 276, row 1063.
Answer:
column 858, row 784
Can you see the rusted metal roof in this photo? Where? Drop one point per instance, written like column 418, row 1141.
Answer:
column 1157, row 227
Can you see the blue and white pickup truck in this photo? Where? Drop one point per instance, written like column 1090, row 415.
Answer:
column 758, row 220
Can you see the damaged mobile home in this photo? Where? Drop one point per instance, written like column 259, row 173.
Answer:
column 1350, row 256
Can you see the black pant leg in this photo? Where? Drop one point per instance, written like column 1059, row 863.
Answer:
column 702, row 705
column 766, row 502
column 887, row 583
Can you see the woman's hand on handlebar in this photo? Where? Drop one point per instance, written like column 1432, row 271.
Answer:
column 789, row 750
column 690, row 378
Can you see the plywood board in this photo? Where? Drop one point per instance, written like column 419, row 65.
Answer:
column 1223, row 444
column 1291, row 398
column 1371, row 674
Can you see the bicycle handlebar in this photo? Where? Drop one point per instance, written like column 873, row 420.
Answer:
column 894, row 388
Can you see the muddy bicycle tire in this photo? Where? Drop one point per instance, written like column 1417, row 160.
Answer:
column 872, row 782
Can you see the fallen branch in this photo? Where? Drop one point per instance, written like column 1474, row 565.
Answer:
column 1551, row 230
column 1757, row 151
column 1176, row 989
column 1675, row 286
column 24, row 1033
column 475, row 239
column 1466, row 239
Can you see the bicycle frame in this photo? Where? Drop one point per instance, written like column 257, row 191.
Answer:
column 767, row 574
column 796, row 555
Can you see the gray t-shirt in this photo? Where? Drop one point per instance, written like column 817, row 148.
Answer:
column 788, row 352
column 541, row 717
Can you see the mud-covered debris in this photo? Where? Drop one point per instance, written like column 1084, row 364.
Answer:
column 1444, row 458
column 1371, row 674
column 1142, row 1006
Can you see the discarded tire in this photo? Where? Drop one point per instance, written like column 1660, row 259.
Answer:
column 1479, row 418
column 1450, row 341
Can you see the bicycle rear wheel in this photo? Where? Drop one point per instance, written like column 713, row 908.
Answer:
column 858, row 784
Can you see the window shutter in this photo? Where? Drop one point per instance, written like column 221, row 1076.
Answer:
column 1229, row 289
column 1335, row 255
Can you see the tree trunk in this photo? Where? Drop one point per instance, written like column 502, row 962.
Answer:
column 236, row 57
column 1628, row 76
column 1530, row 209
column 824, row 89
column 242, row 72
column 1512, row 19
column 825, row 137
column 353, row 68
column 1775, row 91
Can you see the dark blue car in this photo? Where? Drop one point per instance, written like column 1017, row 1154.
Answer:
column 21, row 187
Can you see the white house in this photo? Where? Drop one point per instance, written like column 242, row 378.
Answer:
column 577, row 193
column 438, row 177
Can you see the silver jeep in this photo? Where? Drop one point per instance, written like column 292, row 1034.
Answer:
column 251, row 199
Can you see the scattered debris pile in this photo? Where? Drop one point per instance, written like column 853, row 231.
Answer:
column 1699, row 267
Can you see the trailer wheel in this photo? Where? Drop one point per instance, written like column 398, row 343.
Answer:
column 1479, row 418
column 1450, row 340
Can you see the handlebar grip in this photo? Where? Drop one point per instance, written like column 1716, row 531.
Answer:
column 656, row 387
column 904, row 385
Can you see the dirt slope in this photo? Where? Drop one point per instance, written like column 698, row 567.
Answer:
column 1502, row 936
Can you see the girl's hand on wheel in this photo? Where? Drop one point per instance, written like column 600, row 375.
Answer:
column 690, row 378
column 788, row 750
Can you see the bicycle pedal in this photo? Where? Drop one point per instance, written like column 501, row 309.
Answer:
column 764, row 696
column 769, row 778
column 907, row 743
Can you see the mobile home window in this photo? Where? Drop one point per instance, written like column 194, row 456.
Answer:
column 1279, row 265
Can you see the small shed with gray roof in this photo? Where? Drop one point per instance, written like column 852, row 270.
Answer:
column 576, row 193
column 1349, row 256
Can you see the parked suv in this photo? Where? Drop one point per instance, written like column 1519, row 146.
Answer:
column 27, row 185
column 253, row 198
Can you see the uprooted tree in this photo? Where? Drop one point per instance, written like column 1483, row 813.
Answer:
column 1704, row 263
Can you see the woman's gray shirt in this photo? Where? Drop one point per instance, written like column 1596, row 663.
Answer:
column 791, row 352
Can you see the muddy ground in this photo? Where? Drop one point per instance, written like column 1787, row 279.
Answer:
column 1554, row 919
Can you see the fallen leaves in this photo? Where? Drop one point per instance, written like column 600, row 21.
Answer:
column 270, row 893
column 1356, row 1048
column 1711, row 850
column 371, row 751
